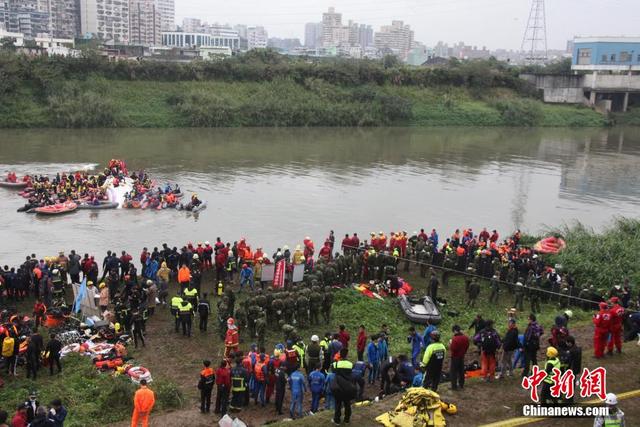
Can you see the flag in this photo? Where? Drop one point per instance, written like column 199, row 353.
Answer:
column 278, row 276
column 81, row 293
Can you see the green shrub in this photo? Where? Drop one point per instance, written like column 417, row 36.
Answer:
column 72, row 107
column 519, row 112
column 602, row 259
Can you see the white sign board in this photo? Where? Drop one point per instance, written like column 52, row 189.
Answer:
column 268, row 271
column 298, row 273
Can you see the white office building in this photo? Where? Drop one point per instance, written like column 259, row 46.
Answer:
column 183, row 39
column 257, row 38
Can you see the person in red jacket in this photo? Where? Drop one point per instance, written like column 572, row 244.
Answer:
column 343, row 336
column 362, row 343
column 39, row 313
column 231, row 339
column 602, row 322
column 458, row 347
column 615, row 327
column 20, row 417
column 223, row 383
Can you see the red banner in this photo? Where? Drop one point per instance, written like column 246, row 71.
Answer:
column 278, row 275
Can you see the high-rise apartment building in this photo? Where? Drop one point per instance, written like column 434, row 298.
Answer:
column 29, row 17
column 191, row 25
column 257, row 38
column 167, row 9
column 144, row 23
column 313, row 34
column 396, row 37
column 64, row 18
column 332, row 29
column 105, row 19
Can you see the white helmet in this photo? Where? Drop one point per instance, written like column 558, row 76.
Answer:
column 611, row 399
column 569, row 314
column 195, row 256
column 314, row 338
column 207, row 243
column 55, row 271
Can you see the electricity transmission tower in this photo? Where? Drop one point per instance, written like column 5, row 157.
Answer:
column 534, row 42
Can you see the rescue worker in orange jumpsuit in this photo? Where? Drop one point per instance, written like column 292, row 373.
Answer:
column 615, row 327
column 601, row 321
column 143, row 402
column 232, row 338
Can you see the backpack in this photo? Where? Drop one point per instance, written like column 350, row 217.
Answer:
column 7, row 346
column 488, row 342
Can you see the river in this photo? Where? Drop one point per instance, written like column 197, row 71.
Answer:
column 276, row 186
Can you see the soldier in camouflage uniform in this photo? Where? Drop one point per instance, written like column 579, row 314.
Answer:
column 241, row 317
column 494, row 284
column 519, row 291
column 288, row 331
column 302, row 310
column 315, row 305
column 474, row 291
column 231, row 299
column 289, row 307
column 223, row 315
column 252, row 315
column 269, row 296
column 261, row 329
column 277, row 307
column 327, row 302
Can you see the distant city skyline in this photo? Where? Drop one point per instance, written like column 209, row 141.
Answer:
column 491, row 23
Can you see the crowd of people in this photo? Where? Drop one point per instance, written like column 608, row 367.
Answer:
column 128, row 296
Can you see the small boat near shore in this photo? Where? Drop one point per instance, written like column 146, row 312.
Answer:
column 420, row 310
column 57, row 209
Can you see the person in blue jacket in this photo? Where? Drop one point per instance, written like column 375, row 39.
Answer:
column 316, row 384
column 298, row 386
column 417, row 378
column 357, row 374
column 416, row 342
column 246, row 276
column 519, row 353
column 373, row 357
column 426, row 337
column 329, row 400
column 383, row 351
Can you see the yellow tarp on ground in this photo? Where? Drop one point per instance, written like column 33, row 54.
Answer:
column 418, row 407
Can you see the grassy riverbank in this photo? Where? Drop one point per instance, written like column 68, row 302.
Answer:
column 270, row 90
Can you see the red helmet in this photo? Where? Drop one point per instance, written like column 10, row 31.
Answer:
column 603, row 305
column 244, row 265
column 230, row 321
column 614, row 300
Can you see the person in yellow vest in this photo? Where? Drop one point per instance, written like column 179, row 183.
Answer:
column 186, row 312
column 220, row 289
column 553, row 362
column 615, row 417
column 191, row 295
column 176, row 303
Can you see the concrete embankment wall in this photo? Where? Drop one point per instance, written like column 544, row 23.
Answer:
column 558, row 89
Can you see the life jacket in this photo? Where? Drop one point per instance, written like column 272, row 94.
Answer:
column 220, row 288
column 176, row 302
column 208, row 377
column 292, row 356
column 8, row 345
column 258, row 371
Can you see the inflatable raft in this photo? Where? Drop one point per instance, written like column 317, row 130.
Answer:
column 16, row 185
column 102, row 205
column 420, row 310
column 57, row 209
column 550, row 245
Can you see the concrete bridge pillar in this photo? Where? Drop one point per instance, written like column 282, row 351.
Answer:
column 625, row 103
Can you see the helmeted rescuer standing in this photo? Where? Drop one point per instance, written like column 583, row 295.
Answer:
column 143, row 402
column 601, row 321
column 615, row 417
column 231, row 339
